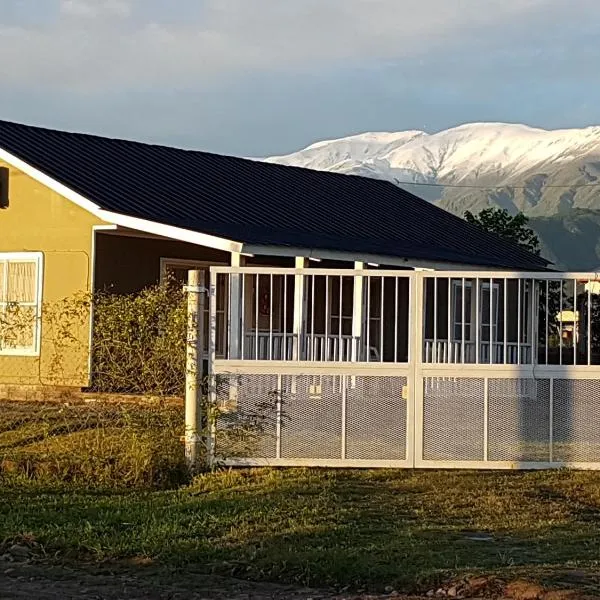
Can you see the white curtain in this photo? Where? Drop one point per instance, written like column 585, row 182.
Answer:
column 21, row 282
column 3, row 267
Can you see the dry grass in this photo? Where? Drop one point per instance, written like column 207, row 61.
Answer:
column 93, row 445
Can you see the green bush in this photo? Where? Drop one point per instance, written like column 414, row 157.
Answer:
column 139, row 342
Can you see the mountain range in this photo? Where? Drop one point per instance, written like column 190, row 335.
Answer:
column 553, row 176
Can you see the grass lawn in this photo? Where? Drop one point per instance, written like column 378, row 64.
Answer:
column 406, row 529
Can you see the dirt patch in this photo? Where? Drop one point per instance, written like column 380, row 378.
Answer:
column 20, row 580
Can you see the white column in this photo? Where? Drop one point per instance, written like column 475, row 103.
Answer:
column 300, row 263
column 194, row 363
column 236, row 336
column 357, row 311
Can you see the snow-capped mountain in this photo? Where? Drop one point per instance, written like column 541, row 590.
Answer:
column 522, row 168
column 553, row 176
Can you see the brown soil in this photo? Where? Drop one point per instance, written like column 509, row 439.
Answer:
column 20, row 580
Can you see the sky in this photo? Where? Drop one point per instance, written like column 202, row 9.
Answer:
column 263, row 77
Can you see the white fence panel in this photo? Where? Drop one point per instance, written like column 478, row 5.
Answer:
column 453, row 370
column 332, row 419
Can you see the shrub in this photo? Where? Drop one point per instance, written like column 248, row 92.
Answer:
column 139, row 342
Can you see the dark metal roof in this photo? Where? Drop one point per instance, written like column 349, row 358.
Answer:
column 255, row 202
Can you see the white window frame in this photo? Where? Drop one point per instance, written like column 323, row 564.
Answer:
column 471, row 318
column 38, row 258
column 334, row 307
column 484, row 286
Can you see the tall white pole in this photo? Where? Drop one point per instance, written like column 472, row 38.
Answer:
column 193, row 368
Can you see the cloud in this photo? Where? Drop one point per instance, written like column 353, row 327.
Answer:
column 94, row 9
column 259, row 77
column 99, row 43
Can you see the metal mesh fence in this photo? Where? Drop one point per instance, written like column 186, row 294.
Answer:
column 376, row 418
column 453, row 419
column 519, row 420
column 303, row 417
column 576, row 420
column 524, row 421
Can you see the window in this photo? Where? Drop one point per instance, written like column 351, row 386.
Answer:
column 486, row 327
column 468, row 311
column 459, row 311
column 343, row 298
column 20, row 302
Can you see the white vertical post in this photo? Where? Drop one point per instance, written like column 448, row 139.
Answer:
column 300, row 263
column 212, row 380
column 297, row 325
column 560, row 318
column 575, row 322
column 434, row 352
column 477, row 321
column 235, row 318
column 357, row 311
column 551, row 422
column 193, row 372
column 344, row 391
column 547, row 322
column 236, row 335
column 486, row 417
column 534, row 310
column 278, row 425
column 415, row 391
column 519, row 317
column 589, row 323
column 357, row 317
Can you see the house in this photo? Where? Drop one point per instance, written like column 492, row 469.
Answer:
column 80, row 213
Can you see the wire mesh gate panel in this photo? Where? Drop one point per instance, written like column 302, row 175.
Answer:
column 506, row 422
column 332, row 419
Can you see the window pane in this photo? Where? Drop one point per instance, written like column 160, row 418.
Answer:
column 17, row 327
column 21, row 281
column 485, row 306
column 458, row 302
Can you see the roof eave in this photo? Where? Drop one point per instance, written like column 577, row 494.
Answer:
column 168, row 231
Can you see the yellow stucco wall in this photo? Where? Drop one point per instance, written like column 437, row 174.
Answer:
column 40, row 220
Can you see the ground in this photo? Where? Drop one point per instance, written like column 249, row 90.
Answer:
column 57, row 583
column 116, row 582
column 341, row 531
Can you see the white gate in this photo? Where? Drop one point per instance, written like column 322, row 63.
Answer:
column 404, row 369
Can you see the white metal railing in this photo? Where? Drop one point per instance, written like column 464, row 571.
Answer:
column 265, row 345
column 329, row 315
column 260, row 345
column 407, row 408
column 314, row 315
column 444, row 351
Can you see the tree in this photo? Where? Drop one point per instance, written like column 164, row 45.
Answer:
column 515, row 229
column 511, row 227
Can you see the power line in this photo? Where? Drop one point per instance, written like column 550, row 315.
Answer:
column 495, row 187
